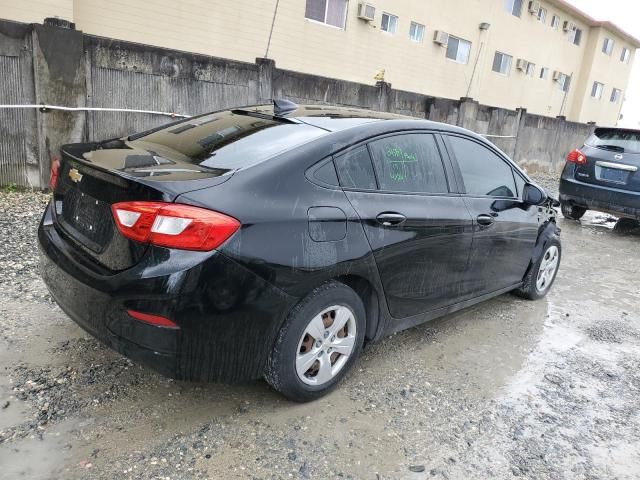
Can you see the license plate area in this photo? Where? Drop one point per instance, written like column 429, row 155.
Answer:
column 87, row 219
column 612, row 175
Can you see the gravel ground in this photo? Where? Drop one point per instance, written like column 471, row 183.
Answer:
column 505, row 389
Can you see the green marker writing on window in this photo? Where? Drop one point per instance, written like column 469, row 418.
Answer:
column 399, row 159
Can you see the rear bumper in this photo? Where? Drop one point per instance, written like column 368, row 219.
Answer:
column 622, row 203
column 228, row 316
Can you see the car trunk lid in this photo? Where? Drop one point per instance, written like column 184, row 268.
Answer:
column 91, row 178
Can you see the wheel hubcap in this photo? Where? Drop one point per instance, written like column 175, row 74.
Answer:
column 548, row 268
column 326, row 345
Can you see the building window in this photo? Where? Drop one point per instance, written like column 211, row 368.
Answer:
column 416, row 32
column 331, row 12
column 575, row 36
column 502, row 63
column 555, row 22
column 625, row 56
column 596, row 90
column 389, row 23
column 544, row 73
column 531, row 69
column 616, row 94
column 564, row 81
column 458, row 50
column 514, row 7
column 542, row 15
column 607, row 46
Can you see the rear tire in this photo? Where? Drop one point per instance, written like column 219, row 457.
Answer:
column 572, row 212
column 541, row 275
column 318, row 343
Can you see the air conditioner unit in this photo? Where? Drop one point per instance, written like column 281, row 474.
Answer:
column 568, row 26
column 557, row 76
column 534, row 8
column 522, row 64
column 366, row 12
column 441, row 38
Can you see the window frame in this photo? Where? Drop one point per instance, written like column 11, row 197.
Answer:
column 575, row 36
column 500, row 72
column 533, row 71
column 608, row 45
column 462, row 189
column 422, row 31
column 450, row 174
column 390, row 16
column 541, row 16
column 555, row 22
column 458, row 49
column 615, row 98
column 625, row 55
column 326, row 11
column 598, row 89
column 511, row 9
column 544, row 73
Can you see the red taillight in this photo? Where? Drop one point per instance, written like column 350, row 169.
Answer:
column 156, row 320
column 173, row 225
column 53, row 177
column 576, row 156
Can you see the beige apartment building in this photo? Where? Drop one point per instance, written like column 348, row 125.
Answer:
column 545, row 56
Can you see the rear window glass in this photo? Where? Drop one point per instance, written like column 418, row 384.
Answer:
column 409, row 163
column 355, row 169
column 226, row 140
column 616, row 140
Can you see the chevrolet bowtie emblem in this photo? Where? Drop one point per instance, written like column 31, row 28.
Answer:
column 75, row 175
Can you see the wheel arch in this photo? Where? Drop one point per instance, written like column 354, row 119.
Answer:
column 371, row 301
column 547, row 231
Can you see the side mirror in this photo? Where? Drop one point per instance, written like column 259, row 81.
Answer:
column 533, row 195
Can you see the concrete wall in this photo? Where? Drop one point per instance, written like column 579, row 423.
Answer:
column 240, row 30
column 46, row 64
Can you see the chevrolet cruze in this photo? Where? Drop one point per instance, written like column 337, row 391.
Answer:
column 275, row 241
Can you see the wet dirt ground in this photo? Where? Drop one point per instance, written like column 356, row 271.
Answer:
column 506, row 389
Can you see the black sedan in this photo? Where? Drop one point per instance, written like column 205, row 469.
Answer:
column 275, row 241
column 603, row 175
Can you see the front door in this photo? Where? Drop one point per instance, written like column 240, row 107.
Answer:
column 505, row 229
column 419, row 232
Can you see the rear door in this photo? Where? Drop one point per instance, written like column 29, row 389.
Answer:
column 419, row 232
column 505, row 229
column 613, row 159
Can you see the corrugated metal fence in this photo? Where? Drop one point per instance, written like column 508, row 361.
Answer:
column 16, row 126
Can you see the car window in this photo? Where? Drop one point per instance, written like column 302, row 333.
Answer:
column 483, row 172
column 409, row 163
column 520, row 183
column 327, row 174
column 623, row 141
column 227, row 140
column 355, row 169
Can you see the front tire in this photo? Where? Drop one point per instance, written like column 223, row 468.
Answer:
column 318, row 343
column 541, row 275
column 572, row 212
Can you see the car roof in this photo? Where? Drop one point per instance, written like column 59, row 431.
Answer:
column 338, row 118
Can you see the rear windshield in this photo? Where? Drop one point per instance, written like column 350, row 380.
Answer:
column 227, row 140
column 623, row 141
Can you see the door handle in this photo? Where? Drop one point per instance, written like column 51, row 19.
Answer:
column 485, row 220
column 389, row 219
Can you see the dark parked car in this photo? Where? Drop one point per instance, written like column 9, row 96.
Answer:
column 603, row 175
column 274, row 241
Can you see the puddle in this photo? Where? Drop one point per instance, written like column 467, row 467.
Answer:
column 39, row 456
